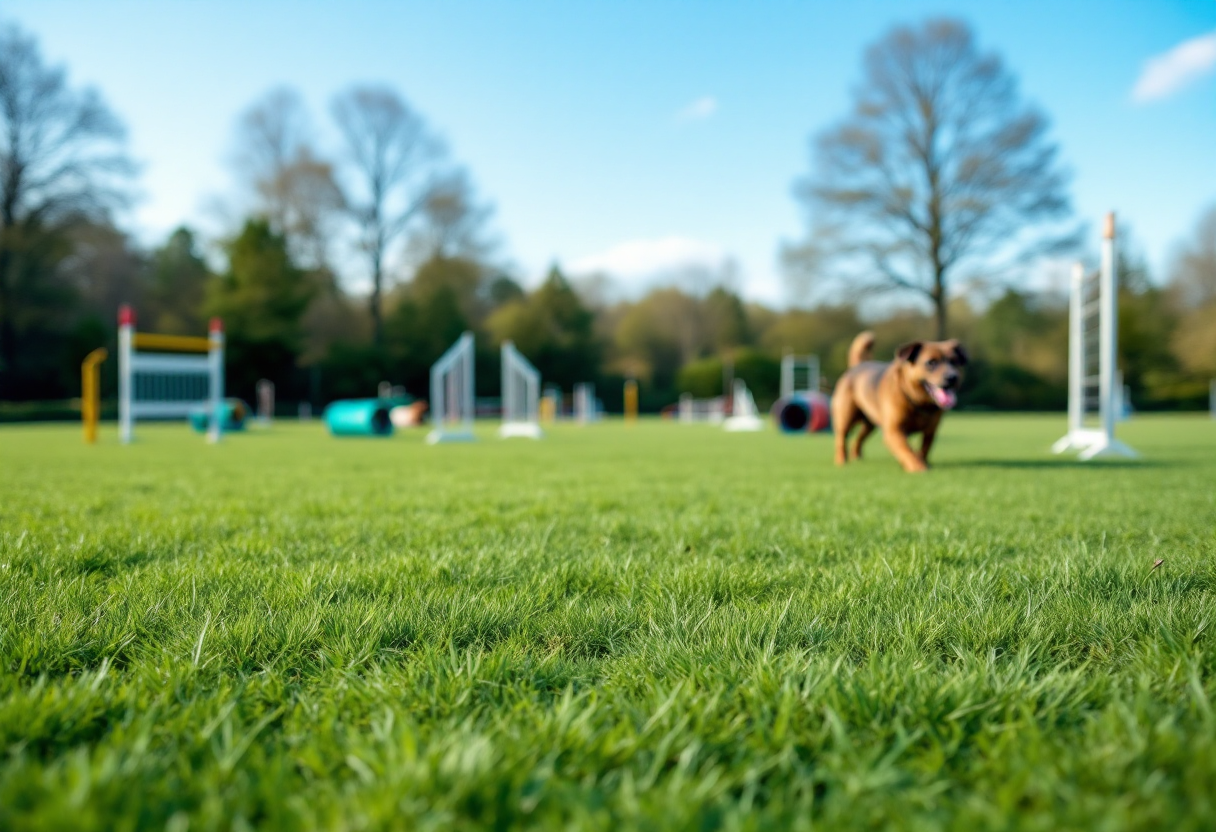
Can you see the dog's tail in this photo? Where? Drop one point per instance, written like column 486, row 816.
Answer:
column 861, row 348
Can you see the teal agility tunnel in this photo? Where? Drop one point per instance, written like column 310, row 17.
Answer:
column 233, row 414
column 360, row 417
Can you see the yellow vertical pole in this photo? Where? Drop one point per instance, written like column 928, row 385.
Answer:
column 631, row 402
column 86, row 402
column 90, row 393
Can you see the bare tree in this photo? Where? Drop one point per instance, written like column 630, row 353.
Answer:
column 61, row 160
column 1193, row 291
column 271, row 133
column 293, row 185
column 939, row 166
column 394, row 159
column 313, row 203
column 451, row 223
column 1193, row 273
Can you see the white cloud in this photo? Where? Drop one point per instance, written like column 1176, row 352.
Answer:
column 1167, row 73
column 643, row 259
column 698, row 110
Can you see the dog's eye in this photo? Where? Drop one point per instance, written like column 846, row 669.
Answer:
column 932, row 363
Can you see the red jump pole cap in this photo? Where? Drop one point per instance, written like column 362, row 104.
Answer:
column 216, row 325
column 126, row 315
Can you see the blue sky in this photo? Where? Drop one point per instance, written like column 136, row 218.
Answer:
column 630, row 136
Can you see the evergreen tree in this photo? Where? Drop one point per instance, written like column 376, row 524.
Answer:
column 554, row 330
column 261, row 299
column 179, row 277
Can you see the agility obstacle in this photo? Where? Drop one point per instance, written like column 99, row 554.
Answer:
column 586, row 406
column 1095, row 396
column 803, row 413
column 744, row 417
column 452, row 394
column 799, row 375
column 702, row 411
column 232, row 416
column 550, row 404
column 90, row 393
column 359, row 417
column 631, row 402
column 520, row 396
column 159, row 378
column 802, row 408
column 265, row 390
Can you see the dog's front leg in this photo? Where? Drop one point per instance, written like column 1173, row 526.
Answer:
column 926, row 443
column 897, row 441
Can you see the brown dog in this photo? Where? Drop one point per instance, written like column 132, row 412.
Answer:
column 903, row 397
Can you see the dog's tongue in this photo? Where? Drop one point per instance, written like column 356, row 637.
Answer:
column 945, row 399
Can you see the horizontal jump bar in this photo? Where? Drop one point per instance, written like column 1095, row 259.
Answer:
column 174, row 343
column 166, row 409
column 154, row 363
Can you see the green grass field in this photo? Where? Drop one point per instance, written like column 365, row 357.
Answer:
column 661, row 627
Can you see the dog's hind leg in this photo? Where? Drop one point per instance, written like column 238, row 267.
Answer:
column 863, row 433
column 844, row 415
column 842, row 438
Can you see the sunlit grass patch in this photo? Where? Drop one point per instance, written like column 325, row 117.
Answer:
column 657, row 627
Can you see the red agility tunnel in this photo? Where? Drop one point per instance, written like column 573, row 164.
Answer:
column 803, row 413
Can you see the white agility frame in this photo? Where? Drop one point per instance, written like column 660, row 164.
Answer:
column 520, row 396
column 452, row 394
column 159, row 379
column 696, row 411
column 744, row 416
column 1094, row 388
column 586, row 405
column 265, row 391
column 799, row 374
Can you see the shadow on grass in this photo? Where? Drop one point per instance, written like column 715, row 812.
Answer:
column 1061, row 463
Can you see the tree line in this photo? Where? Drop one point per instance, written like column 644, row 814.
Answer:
column 348, row 265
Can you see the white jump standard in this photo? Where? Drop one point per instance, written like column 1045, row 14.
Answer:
column 265, row 389
column 586, row 405
column 520, row 396
column 452, row 394
column 158, row 378
column 799, row 375
column 744, row 417
column 697, row 411
column 1095, row 396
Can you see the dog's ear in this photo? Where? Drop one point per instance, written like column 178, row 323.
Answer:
column 909, row 351
column 958, row 355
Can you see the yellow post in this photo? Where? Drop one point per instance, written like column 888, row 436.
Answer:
column 547, row 414
column 631, row 402
column 90, row 393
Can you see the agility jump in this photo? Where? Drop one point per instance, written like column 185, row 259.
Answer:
column 452, row 401
column 586, row 405
column 702, row 411
column 520, row 396
column 744, row 417
column 168, row 376
column 1095, row 393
